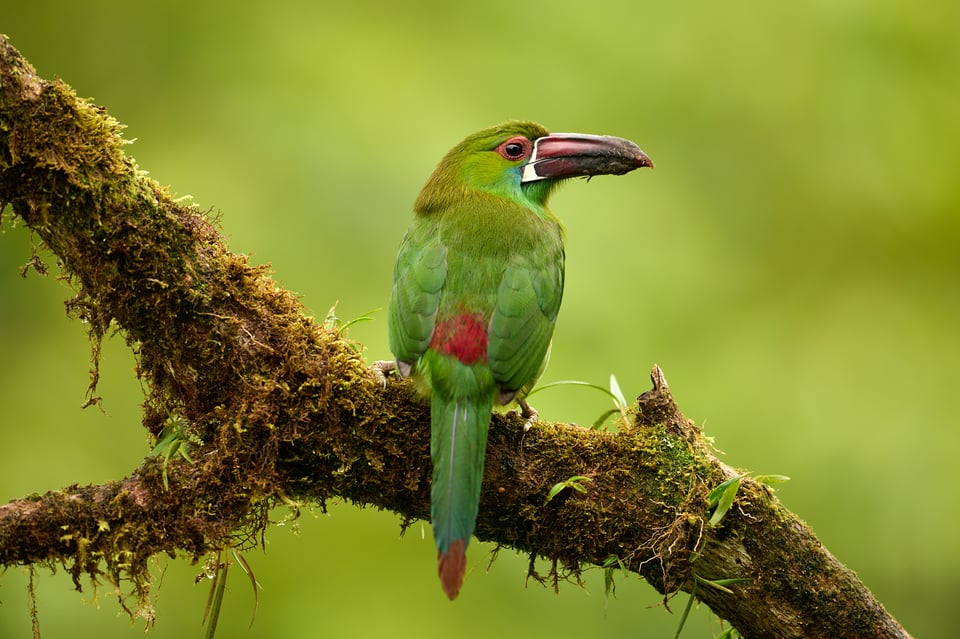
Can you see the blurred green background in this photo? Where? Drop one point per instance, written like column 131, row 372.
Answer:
column 792, row 264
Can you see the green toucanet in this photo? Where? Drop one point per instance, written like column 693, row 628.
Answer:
column 476, row 291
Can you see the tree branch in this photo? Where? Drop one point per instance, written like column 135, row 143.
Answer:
column 275, row 409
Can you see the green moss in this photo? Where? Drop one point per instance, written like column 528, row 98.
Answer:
column 219, row 346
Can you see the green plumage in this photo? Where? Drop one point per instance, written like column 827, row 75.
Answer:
column 476, row 291
column 460, row 416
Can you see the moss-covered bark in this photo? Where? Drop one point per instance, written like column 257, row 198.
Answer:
column 280, row 408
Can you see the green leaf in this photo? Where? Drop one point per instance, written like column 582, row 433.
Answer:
column 166, row 437
column 610, row 564
column 618, row 398
column 174, row 440
column 334, row 323
column 730, row 581
column 572, row 382
column 771, row 479
column 614, row 393
column 619, row 402
column 575, row 482
column 598, row 424
column 714, row 497
column 724, row 500
column 609, row 586
column 366, row 317
column 555, row 490
column 253, row 583
column 215, row 599
column 721, row 584
column 686, row 610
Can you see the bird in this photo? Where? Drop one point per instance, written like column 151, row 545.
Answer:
column 476, row 290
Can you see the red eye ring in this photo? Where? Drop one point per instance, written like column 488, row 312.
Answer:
column 513, row 149
column 516, row 148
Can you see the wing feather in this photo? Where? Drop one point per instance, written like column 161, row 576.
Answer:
column 521, row 326
column 418, row 278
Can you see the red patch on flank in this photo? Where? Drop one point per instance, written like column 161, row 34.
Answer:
column 464, row 336
column 451, row 566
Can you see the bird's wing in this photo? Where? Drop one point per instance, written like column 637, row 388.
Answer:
column 418, row 278
column 521, row 326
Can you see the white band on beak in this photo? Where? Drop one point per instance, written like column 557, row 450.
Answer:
column 529, row 169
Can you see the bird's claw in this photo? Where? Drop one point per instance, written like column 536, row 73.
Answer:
column 528, row 413
column 381, row 368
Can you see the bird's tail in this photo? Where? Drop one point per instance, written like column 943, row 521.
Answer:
column 458, row 445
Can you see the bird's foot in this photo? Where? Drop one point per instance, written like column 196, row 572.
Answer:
column 381, row 368
column 529, row 414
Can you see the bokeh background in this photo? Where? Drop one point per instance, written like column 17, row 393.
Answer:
column 792, row 264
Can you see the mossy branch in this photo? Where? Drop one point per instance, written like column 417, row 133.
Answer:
column 280, row 408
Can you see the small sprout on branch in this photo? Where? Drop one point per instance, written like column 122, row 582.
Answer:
column 174, row 440
column 610, row 564
column 721, row 498
column 575, row 482
column 620, row 404
column 339, row 325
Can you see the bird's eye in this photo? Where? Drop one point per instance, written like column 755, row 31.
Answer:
column 515, row 148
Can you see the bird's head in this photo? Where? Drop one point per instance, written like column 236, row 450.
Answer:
column 523, row 162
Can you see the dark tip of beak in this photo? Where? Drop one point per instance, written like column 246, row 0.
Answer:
column 563, row 155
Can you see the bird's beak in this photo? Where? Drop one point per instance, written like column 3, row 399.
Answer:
column 563, row 155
